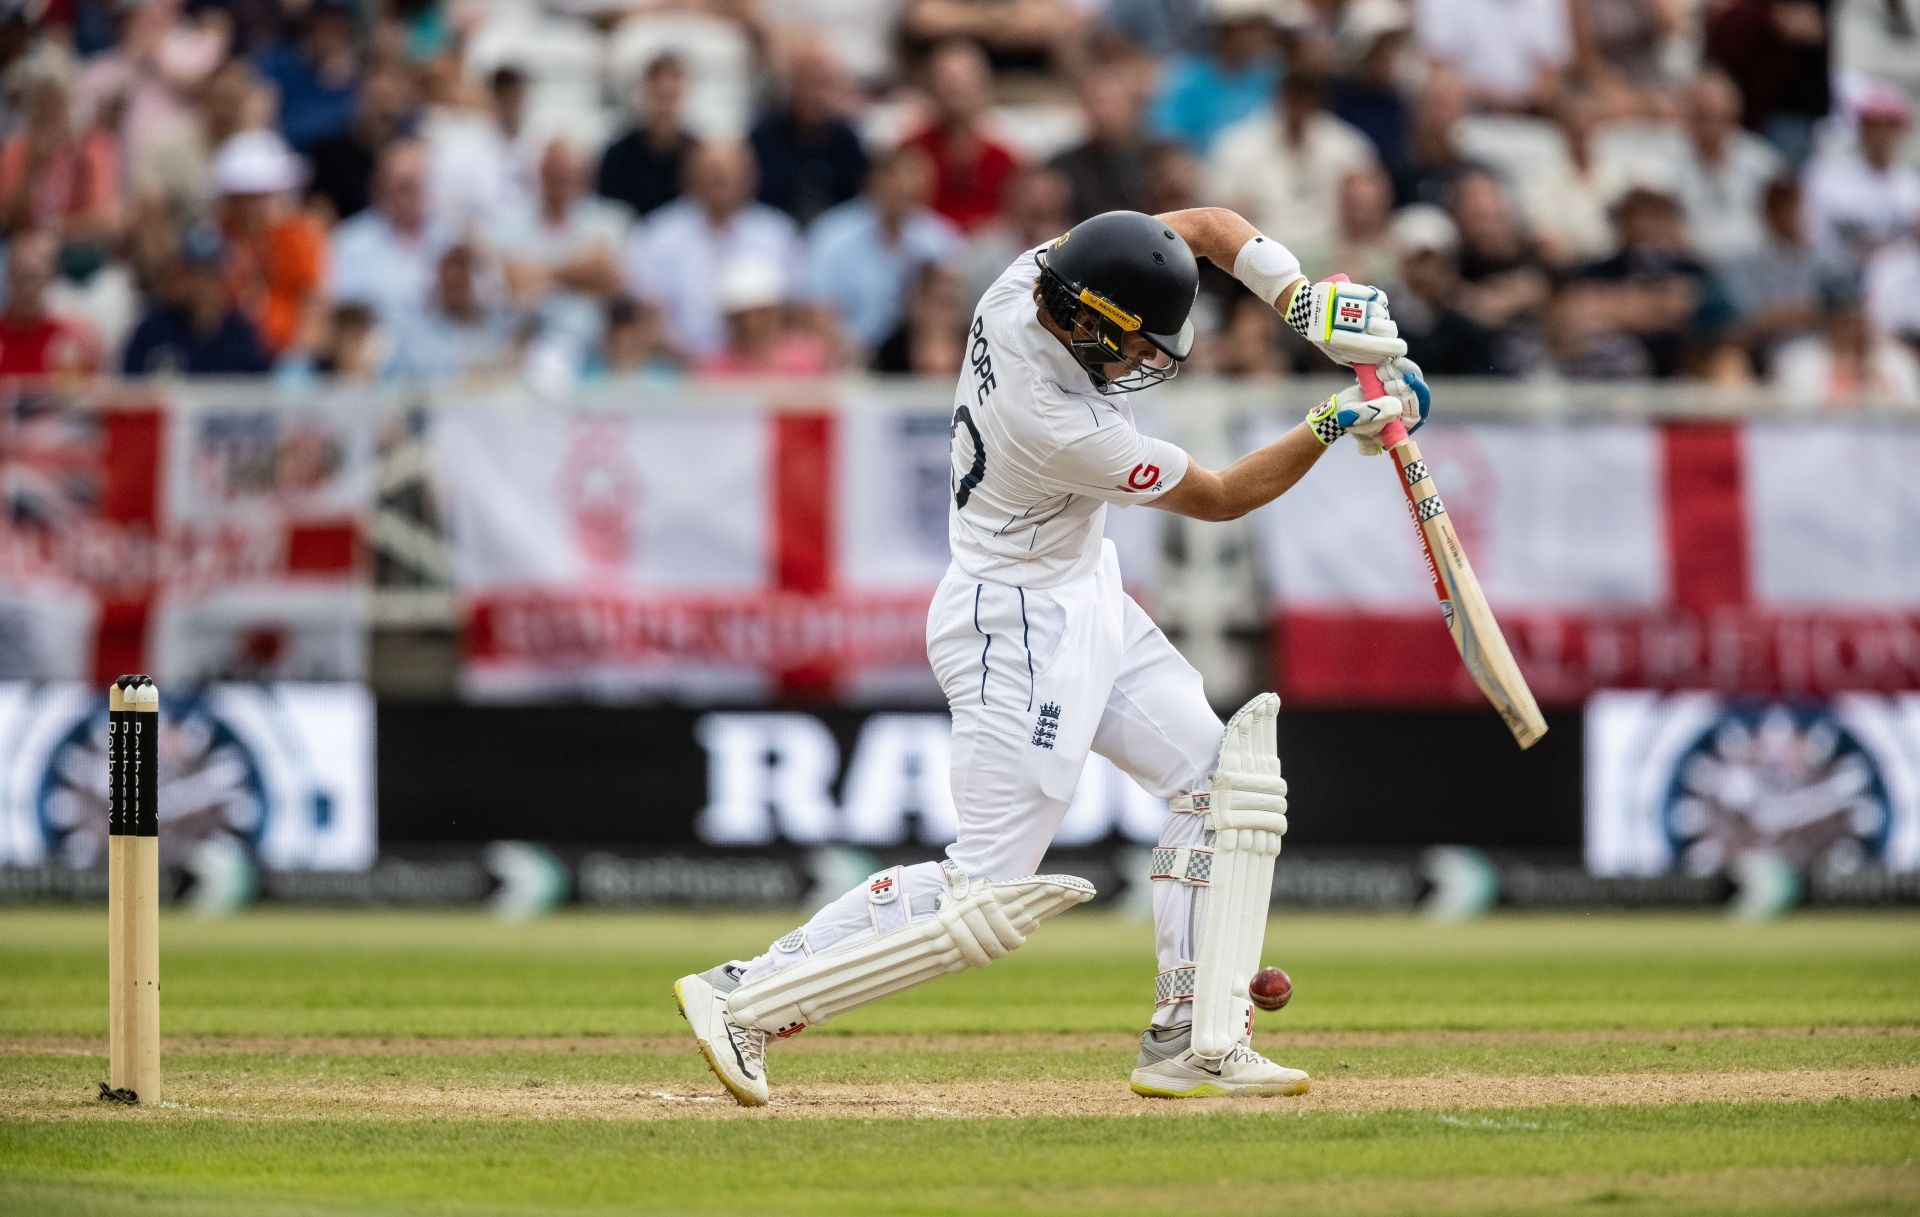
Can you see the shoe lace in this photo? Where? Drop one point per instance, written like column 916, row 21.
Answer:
column 752, row 1045
column 1245, row 1055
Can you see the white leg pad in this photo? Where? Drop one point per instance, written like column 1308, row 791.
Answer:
column 976, row 924
column 1245, row 810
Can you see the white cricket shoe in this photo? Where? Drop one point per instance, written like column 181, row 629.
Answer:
column 1169, row 1069
column 736, row 1054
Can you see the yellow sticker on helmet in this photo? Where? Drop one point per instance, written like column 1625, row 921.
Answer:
column 1108, row 309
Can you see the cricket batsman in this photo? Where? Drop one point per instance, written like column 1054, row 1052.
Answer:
column 1044, row 658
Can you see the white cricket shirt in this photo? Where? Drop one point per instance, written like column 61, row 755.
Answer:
column 1037, row 452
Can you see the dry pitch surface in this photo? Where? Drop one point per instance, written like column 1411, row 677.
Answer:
column 377, row 1063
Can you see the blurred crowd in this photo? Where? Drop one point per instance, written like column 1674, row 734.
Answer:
column 571, row 190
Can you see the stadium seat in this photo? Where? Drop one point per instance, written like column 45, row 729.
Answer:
column 547, row 48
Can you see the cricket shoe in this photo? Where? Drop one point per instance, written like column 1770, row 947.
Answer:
column 736, row 1054
column 1170, row 1069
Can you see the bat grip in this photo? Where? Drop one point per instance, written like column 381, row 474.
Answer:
column 1395, row 431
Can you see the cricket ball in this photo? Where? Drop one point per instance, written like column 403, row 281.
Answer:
column 1270, row 988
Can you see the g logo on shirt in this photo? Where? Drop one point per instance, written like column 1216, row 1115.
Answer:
column 1143, row 477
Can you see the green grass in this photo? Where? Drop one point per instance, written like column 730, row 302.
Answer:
column 280, row 1023
column 1077, row 1165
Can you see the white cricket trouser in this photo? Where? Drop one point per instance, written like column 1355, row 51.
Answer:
column 1036, row 679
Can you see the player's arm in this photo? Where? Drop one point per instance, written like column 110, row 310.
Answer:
column 1349, row 322
column 1264, row 475
column 1254, row 480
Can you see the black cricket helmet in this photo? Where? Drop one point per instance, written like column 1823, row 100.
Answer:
column 1120, row 273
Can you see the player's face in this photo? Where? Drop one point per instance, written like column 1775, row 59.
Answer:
column 1139, row 353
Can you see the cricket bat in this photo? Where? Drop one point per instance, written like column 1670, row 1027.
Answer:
column 1476, row 635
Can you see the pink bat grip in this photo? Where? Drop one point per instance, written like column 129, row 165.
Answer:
column 1369, row 375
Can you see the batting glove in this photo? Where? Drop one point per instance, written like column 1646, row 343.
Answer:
column 1403, row 379
column 1349, row 322
column 1407, row 399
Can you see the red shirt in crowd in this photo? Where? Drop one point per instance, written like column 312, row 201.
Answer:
column 46, row 346
column 969, row 175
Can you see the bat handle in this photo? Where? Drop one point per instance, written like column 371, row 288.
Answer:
column 1395, row 431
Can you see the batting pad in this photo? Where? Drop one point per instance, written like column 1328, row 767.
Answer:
column 1245, row 810
column 976, row 924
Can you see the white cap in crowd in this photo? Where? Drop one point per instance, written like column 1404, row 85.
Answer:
column 1421, row 228
column 747, row 285
column 1366, row 21
column 257, row 162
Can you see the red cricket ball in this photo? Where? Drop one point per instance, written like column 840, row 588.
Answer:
column 1270, row 988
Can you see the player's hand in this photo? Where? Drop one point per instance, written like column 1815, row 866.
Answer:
column 1407, row 399
column 1401, row 379
column 1349, row 322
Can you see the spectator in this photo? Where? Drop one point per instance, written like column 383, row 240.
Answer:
column 1176, row 180
column 56, row 177
column 33, row 341
column 355, row 349
column 931, row 337
column 1282, row 169
column 676, row 261
column 1202, row 95
column 385, row 257
column 1566, row 205
column 644, row 167
column 1848, row 363
column 1441, row 338
column 1036, row 212
column 1892, row 285
column 1247, row 344
column 343, row 164
column 175, row 168
column 1434, row 158
column 199, row 332
column 1107, row 171
column 1369, row 95
column 1862, row 196
column 1018, row 35
column 1774, row 289
column 276, row 254
column 861, row 33
column 971, row 168
column 810, row 156
column 1585, row 339
column 1163, row 27
column 151, row 246
column 478, row 165
column 316, row 74
column 760, row 337
column 562, row 251
column 1777, row 52
column 863, row 256
column 1513, row 54
column 1725, row 173
column 1622, row 48
column 418, row 29
column 1653, row 285
column 634, row 345
column 1360, row 247
column 461, row 334
column 96, row 292
column 146, row 78
column 1505, row 283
